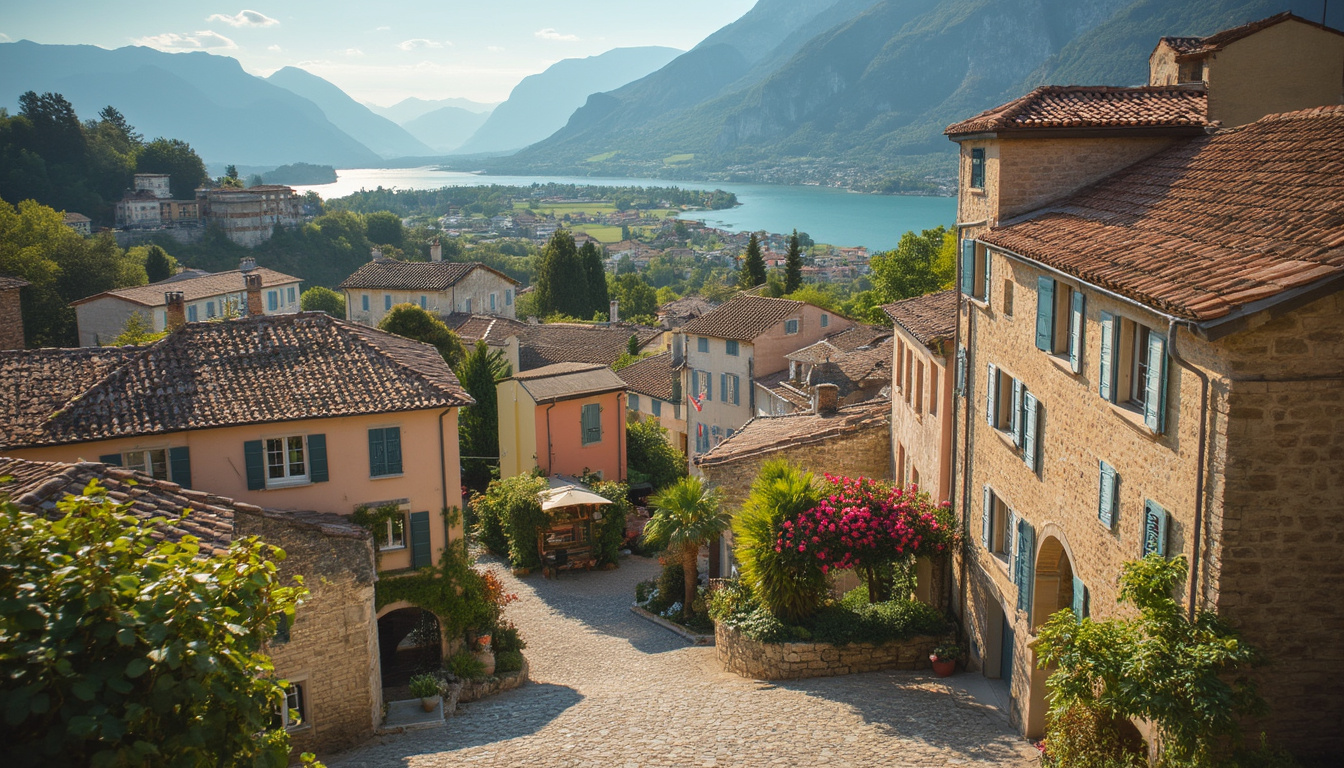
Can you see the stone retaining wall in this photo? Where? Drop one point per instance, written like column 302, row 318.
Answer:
column 788, row 661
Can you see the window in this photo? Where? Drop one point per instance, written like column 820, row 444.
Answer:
column 1138, row 392
column 1109, row 496
column 919, row 387
column 790, row 327
column 701, row 438
column 657, row 406
column 272, row 300
column 508, row 297
column 384, row 451
column 1010, row 408
column 900, row 365
column 1133, row 368
column 591, row 423
column 1059, row 320
column 914, row 475
column 1154, row 529
column 387, row 301
column 1024, row 564
column 934, row 394
column 702, row 385
column 701, row 344
column 1008, row 298
column 364, row 302
column 978, row 168
column 292, row 714
column 393, row 534
column 909, row 374
column 209, row 309
column 424, row 301
column 191, row 313
column 974, row 270
column 290, row 298
column 961, row 371
column 285, row 460
column 468, row 306
column 153, row 462
column 728, row 388
column 996, row 529
column 730, row 347
column 634, row 402
column 825, row 320
column 492, row 302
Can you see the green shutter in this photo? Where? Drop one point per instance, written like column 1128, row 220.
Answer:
column 1110, row 344
column 1031, row 431
column 377, row 454
column 1017, row 412
column 317, row 458
column 255, row 461
column 1155, row 385
column 961, row 370
column 723, row 386
column 1106, row 503
column 1023, row 565
column 709, row 386
column 1076, row 333
column 111, row 459
column 987, row 521
column 1079, row 599
column 992, row 395
column 1154, row 529
column 179, row 464
column 968, row 266
column 590, row 421
column 422, row 554
column 985, row 286
column 392, row 442
column 1045, row 314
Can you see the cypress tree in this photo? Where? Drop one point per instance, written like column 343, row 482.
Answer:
column 157, row 264
column 596, row 276
column 753, row 265
column 793, row 265
column 562, row 284
column 478, row 426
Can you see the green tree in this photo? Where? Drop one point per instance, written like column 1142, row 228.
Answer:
column 138, row 330
column 158, row 264
column 562, row 283
column 595, row 275
column 651, row 454
column 753, row 265
column 415, row 323
column 686, row 516
column 478, row 426
column 638, row 302
column 319, row 299
column 177, row 159
column 121, row 648
column 793, row 265
column 384, row 228
column 915, row 268
column 820, row 295
column 780, row 491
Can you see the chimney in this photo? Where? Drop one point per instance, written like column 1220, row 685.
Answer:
column 678, row 355
column 615, row 314
column 512, row 352
column 247, row 264
column 253, row 283
column 825, row 399
column 435, row 251
column 177, row 309
column 376, row 254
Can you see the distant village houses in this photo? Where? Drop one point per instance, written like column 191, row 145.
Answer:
column 441, row 287
column 247, row 216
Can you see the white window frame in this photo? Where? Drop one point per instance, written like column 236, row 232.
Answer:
column 288, row 478
column 209, row 309
column 395, row 540
column 289, row 295
column 147, row 467
column 295, row 694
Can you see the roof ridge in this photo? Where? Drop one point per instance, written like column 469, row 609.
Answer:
column 357, row 331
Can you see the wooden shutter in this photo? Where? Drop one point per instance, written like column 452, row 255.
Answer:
column 422, row 554
column 377, row 454
column 723, row 386
column 1045, row 314
column 985, row 286
column 992, row 396
column 1018, row 390
column 961, row 370
column 1023, row 565
column 1106, row 503
column 987, row 521
column 317, row 458
column 392, row 443
column 968, row 266
column 1154, row 529
column 695, row 383
column 1155, row 385
column 1076, row 332
column 111, row 459
column 179, row 464
column 254, row 458
column 1031, row 431
column 1079, row 599
column 1110, row 344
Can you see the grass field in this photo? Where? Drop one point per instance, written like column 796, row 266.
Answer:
column 678, row 159
column 601, row 157
column 603, row 234
column 595, row 208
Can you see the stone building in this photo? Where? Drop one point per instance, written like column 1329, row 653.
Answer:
column 534, row 345
column 654, row 392
column 440, row 287
column 78, row 222
column 329, row 655
column 922, row 384
column 1154, row 336
column 857, row 360
column 11, row 312
column 249, row 216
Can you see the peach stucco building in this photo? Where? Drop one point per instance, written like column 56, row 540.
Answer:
column 563, row 419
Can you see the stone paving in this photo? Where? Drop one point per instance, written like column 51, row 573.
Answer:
column 611, row 689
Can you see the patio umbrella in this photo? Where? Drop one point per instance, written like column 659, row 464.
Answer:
column 569, row 496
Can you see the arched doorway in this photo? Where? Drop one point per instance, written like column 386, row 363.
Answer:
column 410, row 641
column 1053, row 585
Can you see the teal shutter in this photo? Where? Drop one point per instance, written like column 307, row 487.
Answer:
column 1106, row 503
column 254, row 460
column 392, row 442
column 1045, row 314
column 985, row 287
column 111, row 459
column 1031, row 431
column 992, row 395
column 1023, row 565
column 179, row 464
column 709, row 386
column 723, row 386
column 695, row 383
column 590, row 421
column 737, row 390
column 1110, row 344
column 1154, row 529
column 1076, row 333
column 961, row 370
column 1155, row 385
column 377, row 454
column 968, row 266
column 422, row 554
column 1018, row 391
column 317, row 458
column 987, row 521
column 1079, row 599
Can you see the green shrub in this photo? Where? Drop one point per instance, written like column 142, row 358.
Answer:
column 464, row 666
column 850, row 620
column 453, row 591
column 671, row 587
column 780, row 490
column 509, row 516
column 609, row 532
column 644, row 589
column 508, row 661
column 424, row 686
column 506, row 638
column 651, row 455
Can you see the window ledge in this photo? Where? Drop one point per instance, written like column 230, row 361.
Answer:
column 277, row 485
column 977, row 301
column 398, row 548
column 387, row 477
column 1133, row 417
column 977, row 191
column 1063, row 364
column 1007, row 438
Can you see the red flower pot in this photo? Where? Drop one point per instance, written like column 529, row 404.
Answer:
column 945, row 668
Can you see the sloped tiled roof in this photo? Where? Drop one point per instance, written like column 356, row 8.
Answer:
column 566, row 380
column 1209, row 225
column 782, row 386
column 193, row 288
column 744, row 318
column 929, row 318
column 858, row 336
column 492, row 329
column 254, row 370
column 393, row 274
column 542, row 344
column 769, row 434
column 1203, row 46
column 1094, row 106
column 1182, row 44
column 651, row 376
column 8, row 283
column 685, row 308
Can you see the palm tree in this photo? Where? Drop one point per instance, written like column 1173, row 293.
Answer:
column 686, row 515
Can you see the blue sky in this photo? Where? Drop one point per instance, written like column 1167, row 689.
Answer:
column 381, row 52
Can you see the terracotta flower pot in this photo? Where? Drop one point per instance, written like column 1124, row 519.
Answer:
column 488, row 659
column 429, row 703
column 944, row 668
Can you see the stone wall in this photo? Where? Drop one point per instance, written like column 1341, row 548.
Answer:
column 332, row 650
column 11, row 320
column 792, row 661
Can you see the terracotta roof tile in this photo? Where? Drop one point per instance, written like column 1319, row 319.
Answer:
column 685, row 309
column 929, row 318
column 565, row 380
column 193, row 288
column 1206, row 226
column 764, row 435
column 8, row 283
column 1079, row 106
column 744, row 318
column 1182, row 44
column 248, row 371
column 544, row 344
column 652, row 376
column 393, row 274
column 1219, row 40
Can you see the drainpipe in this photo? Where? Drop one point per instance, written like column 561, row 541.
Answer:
column 443, row 473
column 550, row 451
column 1199, row 461
column 956, row 406
column 620, row 438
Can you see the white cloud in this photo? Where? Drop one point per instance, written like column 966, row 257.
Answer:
column 420, row 42
column 381, row 29
column 275, row 49
column 495, row 48
column 244, row 18
column 352, row 52
column 550, row 34
column 196, row 41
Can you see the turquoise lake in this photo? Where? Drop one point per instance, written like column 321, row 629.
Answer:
column 829, row 215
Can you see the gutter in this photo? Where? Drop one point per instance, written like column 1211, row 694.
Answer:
column 550, row 449
column 1199, row 462
column 956, row 406
column 443, row 475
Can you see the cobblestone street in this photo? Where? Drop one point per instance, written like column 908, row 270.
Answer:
column 611, row 689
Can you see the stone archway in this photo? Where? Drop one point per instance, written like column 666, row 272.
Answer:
column 410, row 641
column 1052, row 590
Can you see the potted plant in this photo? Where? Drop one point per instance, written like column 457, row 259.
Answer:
column 426, row 688
column 944, row 659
